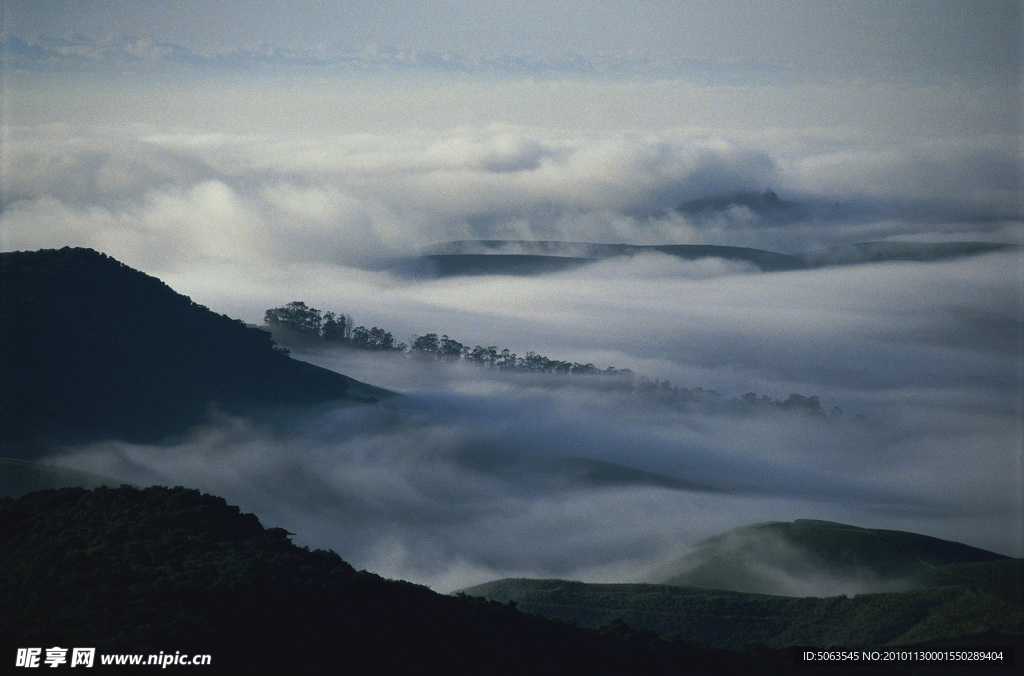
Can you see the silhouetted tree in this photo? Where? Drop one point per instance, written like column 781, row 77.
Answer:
column 339, row 327
column 295, row 316
column 427, row 344
column 336, row 327
column 485, row 356
column 506, row 360
column 372, row 339
column 381, row 339
column 449, row 349
column 809, row 404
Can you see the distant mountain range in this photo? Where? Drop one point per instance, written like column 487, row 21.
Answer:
column 532, row 257
column 523, row 257
column 529, row 257
column 92, row 349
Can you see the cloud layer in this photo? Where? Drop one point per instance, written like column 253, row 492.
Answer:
column 363, row 200
column 249, row 192
column 457, row 482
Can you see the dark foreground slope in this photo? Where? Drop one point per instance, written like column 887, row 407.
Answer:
column 172, row 570
column 90, row 349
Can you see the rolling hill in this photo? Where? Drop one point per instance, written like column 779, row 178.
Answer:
column 872, row 587
column 812, row 555
column 93, row 349
column 728, row 619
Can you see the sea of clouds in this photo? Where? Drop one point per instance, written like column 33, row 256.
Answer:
column 249, row 191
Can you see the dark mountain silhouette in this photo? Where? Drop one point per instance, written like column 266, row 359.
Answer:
column 876, row 252
column 92, row 349
column 524, row 257
column 521, row 257
column 172, row 570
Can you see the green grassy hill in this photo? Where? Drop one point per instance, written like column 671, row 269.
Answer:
column 734, row 619
column 807, row 556
column 934, row 590
column 91, row 349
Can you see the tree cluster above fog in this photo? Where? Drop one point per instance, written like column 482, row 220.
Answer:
column 338, row 328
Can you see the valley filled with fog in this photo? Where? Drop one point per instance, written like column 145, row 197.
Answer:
column 247, row 189
column 474, row 474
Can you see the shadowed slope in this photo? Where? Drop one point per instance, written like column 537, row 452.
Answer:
column 159, row 569
column 93, row 349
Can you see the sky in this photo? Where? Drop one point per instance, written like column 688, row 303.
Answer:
column 941, row 34
column 254, row 153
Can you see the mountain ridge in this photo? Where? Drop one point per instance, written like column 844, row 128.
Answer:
column 533, row 257
column 954, row 615
column 760, row 558
column 95, row 349
column 945, row 592
column 171, row 569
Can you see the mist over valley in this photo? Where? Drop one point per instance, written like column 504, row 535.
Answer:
column 472, row 473
column 664, row 314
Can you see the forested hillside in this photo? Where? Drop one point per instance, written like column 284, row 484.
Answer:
column 160, row 569
column 93, row 349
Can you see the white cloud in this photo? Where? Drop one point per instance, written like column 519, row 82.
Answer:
column 249, row 193
column 440, row 489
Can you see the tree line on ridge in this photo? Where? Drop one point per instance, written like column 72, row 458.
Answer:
column 338, row 328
